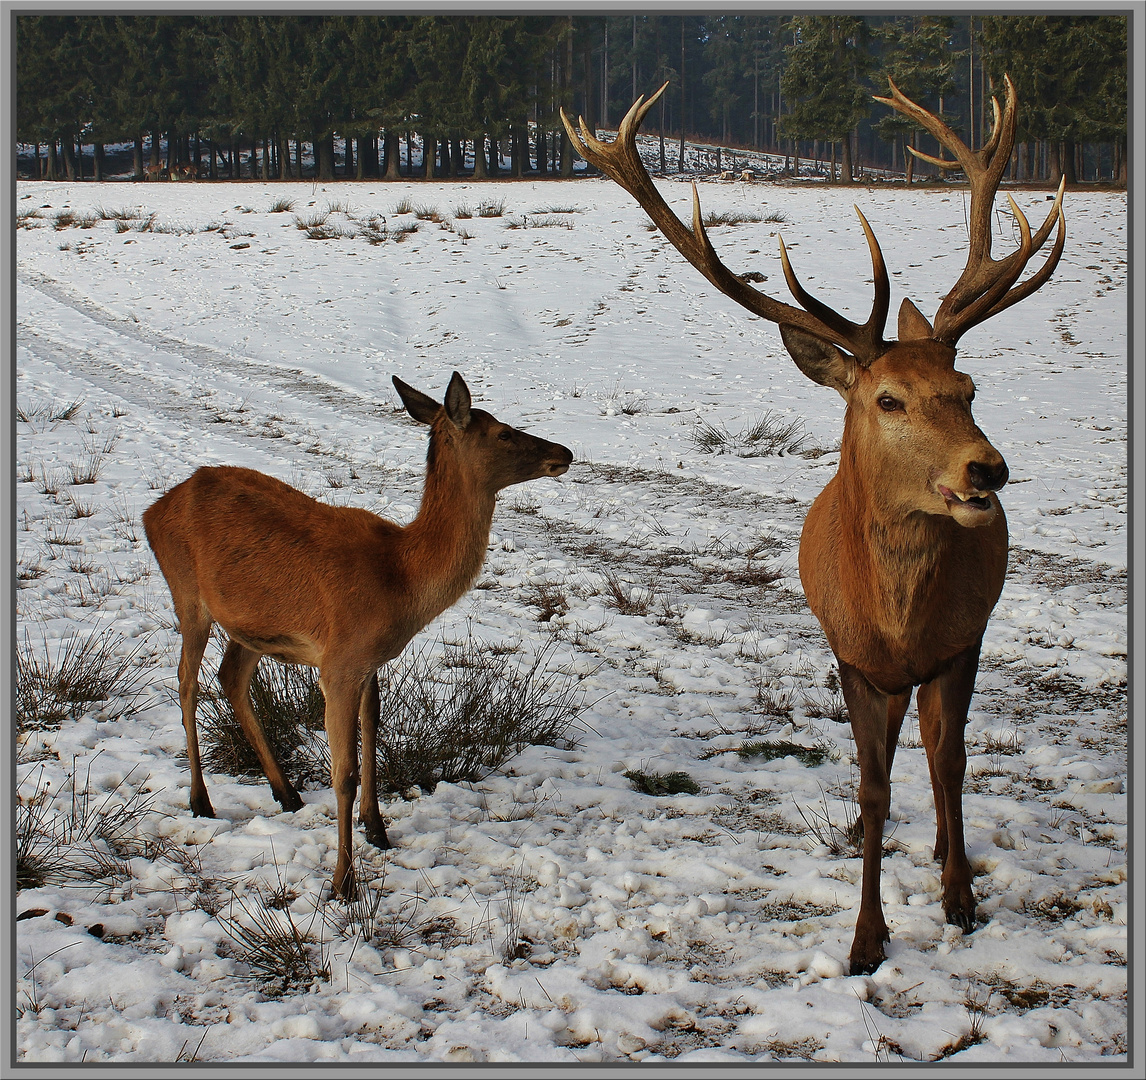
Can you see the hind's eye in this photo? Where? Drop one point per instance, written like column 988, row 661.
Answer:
column 888, row 403
column 505, row 435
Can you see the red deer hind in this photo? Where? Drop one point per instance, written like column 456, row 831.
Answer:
column 903, row 554
column 333, row 587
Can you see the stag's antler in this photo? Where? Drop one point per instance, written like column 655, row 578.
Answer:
column 986, row 286
column 621, row 162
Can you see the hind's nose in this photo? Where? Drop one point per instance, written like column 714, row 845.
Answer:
column 561, row 460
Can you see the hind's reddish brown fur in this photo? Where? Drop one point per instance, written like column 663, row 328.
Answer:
column 334, row 587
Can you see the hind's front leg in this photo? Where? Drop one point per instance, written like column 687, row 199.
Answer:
column 369, row 811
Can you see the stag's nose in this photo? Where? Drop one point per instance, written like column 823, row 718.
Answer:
column 986, row 477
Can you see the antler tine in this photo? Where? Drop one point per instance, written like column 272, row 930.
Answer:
column 1003, row 292
column 872, row 331
column 996, row 126
column 986, row 285
column 1027, row 287
column 621, row 162
column 882, row 283
column 964, row 156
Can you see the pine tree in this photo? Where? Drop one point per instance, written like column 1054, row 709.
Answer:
column 824, row 81
column 918, row 55
column 1070, row 74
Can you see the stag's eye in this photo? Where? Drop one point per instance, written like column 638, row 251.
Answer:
column 888, row 403
column 505, row 435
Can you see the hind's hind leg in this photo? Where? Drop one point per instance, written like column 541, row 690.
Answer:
column 195, row 631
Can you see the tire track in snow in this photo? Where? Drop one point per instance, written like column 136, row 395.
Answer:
column 302, row 386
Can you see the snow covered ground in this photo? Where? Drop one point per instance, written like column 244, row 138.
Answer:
column 553, row 912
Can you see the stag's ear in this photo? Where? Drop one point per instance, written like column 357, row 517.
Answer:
column 421, row 407
column 913, row 325
column 457, row 401
column 821, row 362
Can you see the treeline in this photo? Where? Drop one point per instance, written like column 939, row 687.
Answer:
column 235, row 96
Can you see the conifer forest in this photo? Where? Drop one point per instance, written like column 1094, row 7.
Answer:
column 375, row 96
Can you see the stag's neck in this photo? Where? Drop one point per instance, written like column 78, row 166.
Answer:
column 905, row 552
column 446, row 543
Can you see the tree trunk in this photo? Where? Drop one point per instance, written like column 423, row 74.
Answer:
column 542, row 152
column 392, row 152
column 137, row 158
column 480, row 170
column 324, row 156
column 69, row 158
column 846, row 162
column 680, row 156
column 1068, row 164
column 566, row 89
column 97, row 161
column 363, row 157
column 429, row 152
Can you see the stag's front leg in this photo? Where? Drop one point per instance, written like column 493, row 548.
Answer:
column 943, row 705
column 868, row 711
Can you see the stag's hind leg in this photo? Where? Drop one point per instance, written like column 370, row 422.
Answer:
column 235, row 673
column 943, row 705
column 369, row 811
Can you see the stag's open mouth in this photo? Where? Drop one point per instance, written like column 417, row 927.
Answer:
column 975, row 502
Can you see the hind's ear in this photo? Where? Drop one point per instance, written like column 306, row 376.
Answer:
column 457, row 401
column 421, row 407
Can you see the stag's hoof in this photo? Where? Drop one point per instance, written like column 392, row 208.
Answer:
column 964, row 918
column 865, row 965
column 867, row 950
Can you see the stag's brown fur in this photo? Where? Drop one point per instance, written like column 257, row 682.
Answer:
column 333, row 587
column 904, row 552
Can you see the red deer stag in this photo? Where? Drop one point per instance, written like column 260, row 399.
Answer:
column 903, row 554
column 333, row 587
